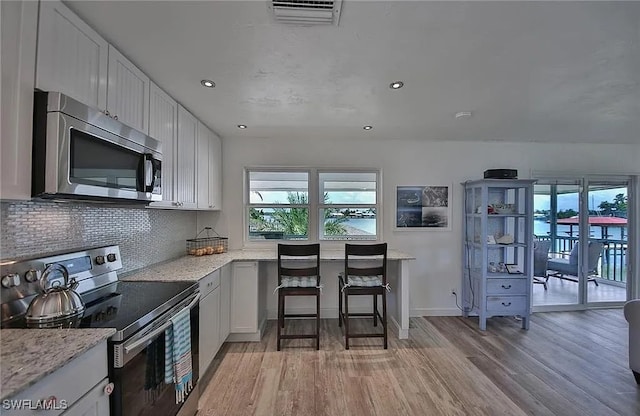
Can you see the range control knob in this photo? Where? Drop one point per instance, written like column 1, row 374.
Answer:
column 111, row 257
column 11, row 280
column 99, row 260
column 32, row 275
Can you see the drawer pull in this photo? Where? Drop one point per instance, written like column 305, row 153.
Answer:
column 506, row 286
column 506, row 303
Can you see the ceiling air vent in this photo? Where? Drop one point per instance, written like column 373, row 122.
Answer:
column 306, row 12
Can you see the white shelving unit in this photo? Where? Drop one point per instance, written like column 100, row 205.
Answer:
column 497, row 273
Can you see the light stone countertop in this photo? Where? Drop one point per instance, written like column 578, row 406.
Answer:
column 28, row 355
column 193, row 268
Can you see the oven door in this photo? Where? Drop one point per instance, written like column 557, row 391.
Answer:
column 137, row 373
column 92, row 162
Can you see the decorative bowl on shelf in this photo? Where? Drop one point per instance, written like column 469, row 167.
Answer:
column 504, row 208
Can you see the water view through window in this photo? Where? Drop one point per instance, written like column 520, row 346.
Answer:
column 281, row 208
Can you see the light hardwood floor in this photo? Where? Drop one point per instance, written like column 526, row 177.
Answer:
column 569, row 363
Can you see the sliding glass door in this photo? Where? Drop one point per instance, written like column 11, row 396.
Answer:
column 584, row 222
column 606, row 266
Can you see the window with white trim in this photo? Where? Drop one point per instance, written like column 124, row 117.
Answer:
column 312, row 204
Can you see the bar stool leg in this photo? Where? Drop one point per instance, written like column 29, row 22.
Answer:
column 346, row 318
column 340, row 294
column 375, row 310
column 318, row 320
column 384, row 316
column 280, row 319
column 284, row 298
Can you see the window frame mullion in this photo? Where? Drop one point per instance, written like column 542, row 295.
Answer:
column 314, row 200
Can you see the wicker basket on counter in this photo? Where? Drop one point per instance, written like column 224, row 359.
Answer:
column 201, row 246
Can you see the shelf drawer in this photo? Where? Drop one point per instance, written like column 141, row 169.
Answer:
column 507, row 286
column 209, row 282
column 506, row 305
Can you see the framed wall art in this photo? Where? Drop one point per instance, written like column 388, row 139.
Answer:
column 423, row 207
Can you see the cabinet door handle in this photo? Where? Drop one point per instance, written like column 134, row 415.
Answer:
column 506, row 303
column 506, row 286
column 115, row 117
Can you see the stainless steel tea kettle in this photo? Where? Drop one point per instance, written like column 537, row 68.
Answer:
column 59, row 305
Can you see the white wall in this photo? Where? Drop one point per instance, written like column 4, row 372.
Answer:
column 438, row 254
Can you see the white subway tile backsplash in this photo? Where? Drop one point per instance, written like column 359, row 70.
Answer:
column 146, row 236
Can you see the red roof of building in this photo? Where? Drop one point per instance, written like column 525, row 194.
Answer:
column 595, row 220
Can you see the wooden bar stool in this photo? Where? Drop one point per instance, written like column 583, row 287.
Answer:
column 302, row 280
column 369, row 280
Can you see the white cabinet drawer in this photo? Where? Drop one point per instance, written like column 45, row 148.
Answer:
column 507, row 286
column 209, row 282
column 67, row 384
column 94, row 403
column 506, row 305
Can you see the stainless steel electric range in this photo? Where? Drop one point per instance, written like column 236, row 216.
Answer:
column 139, row 311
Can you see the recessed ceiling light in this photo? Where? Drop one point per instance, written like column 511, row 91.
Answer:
column 367, row 127
column 463, row 114
column 208, row 83
column 395, row 85
column 242, row 126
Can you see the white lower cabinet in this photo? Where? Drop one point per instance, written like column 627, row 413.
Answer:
column 225, row 302
column 248, row 297
column 244, row 297
column 94, row 403
column 209, row 339
column 78, row 388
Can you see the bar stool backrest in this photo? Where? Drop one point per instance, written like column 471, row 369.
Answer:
column 376, row 253
column 308, row 256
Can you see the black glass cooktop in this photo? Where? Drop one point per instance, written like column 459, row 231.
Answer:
column 135, row 304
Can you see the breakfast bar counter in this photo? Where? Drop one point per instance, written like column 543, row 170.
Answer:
column 194, row 268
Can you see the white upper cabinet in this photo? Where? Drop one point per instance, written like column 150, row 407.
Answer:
column 72, row 57
column 185, row 171
column 202, row 165
column 215, row 173
column 19, row 25
column 163, row 126
column 209, row 169
column 128, row 92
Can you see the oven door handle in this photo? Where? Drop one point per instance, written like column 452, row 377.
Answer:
column 130, row 347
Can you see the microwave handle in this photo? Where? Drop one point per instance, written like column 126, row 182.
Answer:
column 147, row 173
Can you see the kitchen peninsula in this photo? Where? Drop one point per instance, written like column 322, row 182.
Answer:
column 253, row 279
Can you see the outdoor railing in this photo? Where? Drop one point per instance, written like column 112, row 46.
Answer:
column 612, row 263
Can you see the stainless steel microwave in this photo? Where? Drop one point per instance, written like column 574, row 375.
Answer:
column 81, row 153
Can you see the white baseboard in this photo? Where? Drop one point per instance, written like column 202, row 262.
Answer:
column 417, row 312
column 244, row 337
column 402, row 333
column 249, row 336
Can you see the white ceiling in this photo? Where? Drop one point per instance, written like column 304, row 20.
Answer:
column 528, row 71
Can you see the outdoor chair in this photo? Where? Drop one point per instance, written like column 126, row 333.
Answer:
column 370, row 279
column 298, row 275
column 540, row 260
column 567, row 268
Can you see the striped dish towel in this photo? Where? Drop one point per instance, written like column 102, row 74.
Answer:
column 177, row 367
